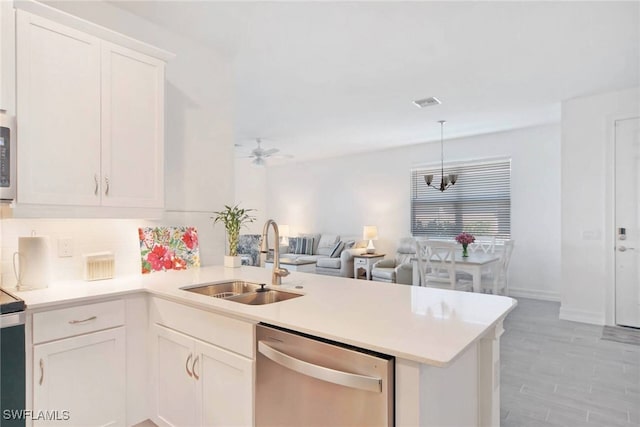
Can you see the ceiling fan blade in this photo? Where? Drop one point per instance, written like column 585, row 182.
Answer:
column 270, row 152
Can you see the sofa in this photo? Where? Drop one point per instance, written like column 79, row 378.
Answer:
column 400, row 268
column 333, row 255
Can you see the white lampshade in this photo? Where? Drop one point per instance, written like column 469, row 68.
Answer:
column 370, row 232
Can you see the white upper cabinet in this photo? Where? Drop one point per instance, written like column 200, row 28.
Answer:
column 90, row 117
column 7, row 57
column 58, row 113
column 132, row 128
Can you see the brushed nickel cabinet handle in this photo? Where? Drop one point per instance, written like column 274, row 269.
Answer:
column 186, row 365
column 41, row 372
column 106, row 191
column 88, row 319
column 193, row 367
column 95, row 190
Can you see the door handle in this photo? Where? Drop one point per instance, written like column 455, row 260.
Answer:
column 41, row 372
column 106, row 181
column 95, row 190
column 625, row 248
column 193, row 367
column 186, row 365
column 323, row 373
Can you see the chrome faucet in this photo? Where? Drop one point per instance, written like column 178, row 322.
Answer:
column 278, row 273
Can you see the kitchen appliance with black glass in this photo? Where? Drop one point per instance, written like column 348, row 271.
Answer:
column 12, row 360
column 7, row 158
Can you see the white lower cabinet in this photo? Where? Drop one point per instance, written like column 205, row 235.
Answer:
column 199, row 384
column 80, row 381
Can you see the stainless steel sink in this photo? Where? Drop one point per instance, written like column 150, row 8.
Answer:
column 224, row 289
column 242, row 292
column 266, row 297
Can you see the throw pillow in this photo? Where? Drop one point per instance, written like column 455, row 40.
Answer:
column 349, row 244
column 293, row 243
column 337, row 250
column 301, row 245
column 327, row 243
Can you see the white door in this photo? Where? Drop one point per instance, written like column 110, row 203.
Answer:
column 627, row 218
column 83, row 375
column 58, row 113
column 132, row 128
column 225, row 387
column 175, row 389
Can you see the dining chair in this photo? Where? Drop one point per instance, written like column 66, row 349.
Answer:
column 437, row 264
column 486, row 244
column 498, row 280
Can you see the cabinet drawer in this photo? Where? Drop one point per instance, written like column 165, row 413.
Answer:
column 66, row 322
column 360, row 261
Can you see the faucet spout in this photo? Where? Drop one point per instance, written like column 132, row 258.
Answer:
column 278, row 273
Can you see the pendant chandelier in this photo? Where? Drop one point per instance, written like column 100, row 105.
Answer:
column 445, row 181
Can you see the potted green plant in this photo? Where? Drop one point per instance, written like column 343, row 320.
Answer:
column 233, row 218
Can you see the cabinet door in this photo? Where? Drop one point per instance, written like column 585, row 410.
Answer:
column 132, row 128
column 85, row 376
column 225, row 387
column 58, row 113
column 175, row 392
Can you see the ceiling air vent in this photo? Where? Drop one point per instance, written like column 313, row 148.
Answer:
column 427, row 102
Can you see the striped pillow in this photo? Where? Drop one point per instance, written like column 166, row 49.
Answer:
column 301, row 245
column 337, row 250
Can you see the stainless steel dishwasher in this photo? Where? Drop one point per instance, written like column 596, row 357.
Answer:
column 306, row 381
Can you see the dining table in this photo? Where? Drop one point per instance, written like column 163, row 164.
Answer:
column 474, row 264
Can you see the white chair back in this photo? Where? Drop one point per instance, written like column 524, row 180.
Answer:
column 486, row 244
column 436, row 263
column 500, row 277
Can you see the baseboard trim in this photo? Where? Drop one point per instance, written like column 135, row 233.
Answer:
column 582, row 316
column 534, row 294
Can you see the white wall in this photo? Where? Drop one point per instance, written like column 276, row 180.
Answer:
column 250, row 193
column 587, row 203
column 199, row 165
column 343, row 194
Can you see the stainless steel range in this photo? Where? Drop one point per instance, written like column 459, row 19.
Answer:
column 12, row 360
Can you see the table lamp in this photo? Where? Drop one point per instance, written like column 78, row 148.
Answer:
column 370, row 233
column 284, row 234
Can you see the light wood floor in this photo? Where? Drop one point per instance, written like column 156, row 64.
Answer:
column 561, row 373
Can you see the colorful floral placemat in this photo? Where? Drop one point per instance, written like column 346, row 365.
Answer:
column 168, row 248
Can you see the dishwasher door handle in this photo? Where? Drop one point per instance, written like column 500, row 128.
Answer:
column 323, row 373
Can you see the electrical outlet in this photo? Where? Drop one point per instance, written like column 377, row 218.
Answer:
column 65, row 247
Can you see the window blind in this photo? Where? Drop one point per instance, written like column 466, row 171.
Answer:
column 479, row 203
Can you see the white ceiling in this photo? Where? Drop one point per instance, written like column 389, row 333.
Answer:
column 319, row 79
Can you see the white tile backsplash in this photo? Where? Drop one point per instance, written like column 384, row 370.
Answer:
column 119, row 236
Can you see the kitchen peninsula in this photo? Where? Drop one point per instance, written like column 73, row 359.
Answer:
column 446, row 343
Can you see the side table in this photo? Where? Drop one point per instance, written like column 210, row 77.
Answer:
column 362, row 265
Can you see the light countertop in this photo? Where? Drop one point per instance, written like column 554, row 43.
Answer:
column 426, row 325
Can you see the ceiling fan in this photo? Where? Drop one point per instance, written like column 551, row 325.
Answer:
column 259, row 154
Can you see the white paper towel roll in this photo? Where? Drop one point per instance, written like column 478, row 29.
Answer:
column 34, row 262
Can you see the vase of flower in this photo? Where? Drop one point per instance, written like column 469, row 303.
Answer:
column 233, row 218
column 465, row 239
